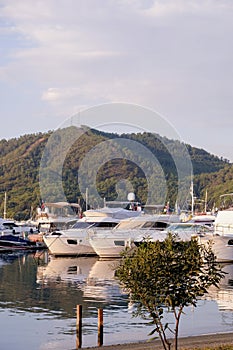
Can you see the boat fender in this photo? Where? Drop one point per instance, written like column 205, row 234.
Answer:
column 230, row 242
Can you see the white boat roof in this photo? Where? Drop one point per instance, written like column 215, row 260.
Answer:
column 117, row 213
column 99, row 218
column 2, row 221
column 136, row 222
column 160, row 236
column 80, row 228
column 204, row 217
column 61, row 204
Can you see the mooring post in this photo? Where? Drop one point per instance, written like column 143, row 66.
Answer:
column 100, row 327
column 79, row 327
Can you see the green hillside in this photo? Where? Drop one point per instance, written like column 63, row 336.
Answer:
column 21, row 159
column 216, row 184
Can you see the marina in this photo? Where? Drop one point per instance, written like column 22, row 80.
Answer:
column 115, row 147
column 40, row 294
column 62, row 263
column 116, row 174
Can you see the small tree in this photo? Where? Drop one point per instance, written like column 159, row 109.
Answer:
column 168, row 275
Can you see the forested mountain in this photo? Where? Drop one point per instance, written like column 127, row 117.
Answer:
column 215, row 184
column 21, row 159
column 19, row 164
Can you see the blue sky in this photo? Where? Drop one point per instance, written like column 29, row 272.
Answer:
column 59, row 57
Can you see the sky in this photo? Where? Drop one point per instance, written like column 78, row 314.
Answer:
column 61, row 57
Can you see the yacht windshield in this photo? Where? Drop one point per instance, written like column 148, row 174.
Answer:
column 83, row 225
column 188, row 228
column 174, row 228
column 159, row 225
column 100, row 224
column 125, row 225
column 105, row 224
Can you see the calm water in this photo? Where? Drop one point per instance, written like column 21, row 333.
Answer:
column 39, row 294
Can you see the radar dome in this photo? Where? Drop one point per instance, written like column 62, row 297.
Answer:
column 131, row 196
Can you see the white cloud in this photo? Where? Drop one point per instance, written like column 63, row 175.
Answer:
column 52, row 94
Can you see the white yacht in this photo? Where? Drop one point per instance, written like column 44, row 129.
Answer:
column 110, row 244
column 222, row 245
column 53, row 216
column 10, row 226
column 204, row 218
column 224, row 222
column 51, row 212
column 184, row 231
column 223, row 229
column 75, row 240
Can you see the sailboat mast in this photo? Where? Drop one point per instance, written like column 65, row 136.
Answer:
column 4, row 212
column 205, row 201
column 192, row 198
column 86, row 198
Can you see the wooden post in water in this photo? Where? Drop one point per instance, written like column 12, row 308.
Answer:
column 100, row 327
column 79, row 327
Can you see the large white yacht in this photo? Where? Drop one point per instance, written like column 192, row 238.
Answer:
column 224, row 220
column 110, row 244
column 221, row 245
column 75, row 240
column 223, row 229
column 51, row 216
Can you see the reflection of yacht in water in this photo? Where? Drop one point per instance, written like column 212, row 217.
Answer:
column 95, row 277
column 224, row 294
column 72, row 270
column 101, row 283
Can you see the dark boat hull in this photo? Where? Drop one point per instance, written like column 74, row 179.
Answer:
column 11, row 242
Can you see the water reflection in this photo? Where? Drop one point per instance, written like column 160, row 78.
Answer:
column 101, row 284
column 72, row 271
column 39, row 294
column 224, row 296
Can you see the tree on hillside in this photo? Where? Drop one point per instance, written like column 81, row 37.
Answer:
column 168, row 276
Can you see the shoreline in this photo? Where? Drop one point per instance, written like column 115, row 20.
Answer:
column 189, row 342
